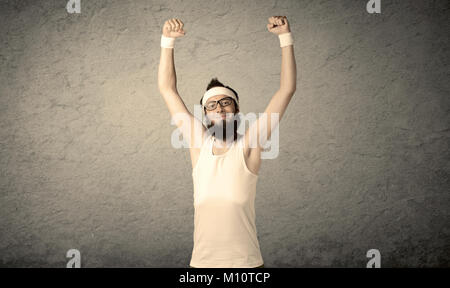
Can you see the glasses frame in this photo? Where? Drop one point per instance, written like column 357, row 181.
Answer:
column 218, row 102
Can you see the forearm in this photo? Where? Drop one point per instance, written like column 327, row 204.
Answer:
column 288, row 79
column 167, row 78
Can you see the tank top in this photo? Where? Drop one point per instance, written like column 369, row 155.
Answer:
column 225, row 234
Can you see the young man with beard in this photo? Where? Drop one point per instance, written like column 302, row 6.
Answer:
column 225, row 164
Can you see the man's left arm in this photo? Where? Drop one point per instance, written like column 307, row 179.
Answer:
column 280, row 100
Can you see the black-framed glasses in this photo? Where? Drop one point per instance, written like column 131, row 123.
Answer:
column 211, row 105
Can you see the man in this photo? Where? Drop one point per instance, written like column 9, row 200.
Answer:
column 225, row 165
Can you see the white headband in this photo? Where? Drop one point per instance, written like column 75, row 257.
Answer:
column 218, row 91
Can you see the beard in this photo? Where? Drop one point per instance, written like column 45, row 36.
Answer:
column 225, row 130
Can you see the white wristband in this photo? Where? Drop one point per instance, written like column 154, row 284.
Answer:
column 286, row 39
column 167, row 42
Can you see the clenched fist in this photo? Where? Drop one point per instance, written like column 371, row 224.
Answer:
column 278, row 25
column 173, row 28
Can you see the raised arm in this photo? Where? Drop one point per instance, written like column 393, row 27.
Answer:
column 167, row 84
column 167, row 78
column 280, row 100
column 288, row 79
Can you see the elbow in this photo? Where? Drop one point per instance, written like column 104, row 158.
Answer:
column 289, row 88
column 290, row 91
column 165, row 88
column 162, row 90
column 294, row 89
column 164, row 85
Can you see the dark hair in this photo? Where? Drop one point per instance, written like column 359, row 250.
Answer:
column 216, row 83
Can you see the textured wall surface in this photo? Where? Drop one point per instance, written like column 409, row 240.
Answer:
column 86, row 160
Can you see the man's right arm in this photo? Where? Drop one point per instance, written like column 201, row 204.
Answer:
column 167, row 83
column 167, row 78
column 173, row 28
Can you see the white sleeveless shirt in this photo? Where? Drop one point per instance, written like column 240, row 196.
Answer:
column 225, row 234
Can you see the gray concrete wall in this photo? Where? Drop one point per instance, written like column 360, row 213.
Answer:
column 86, row 160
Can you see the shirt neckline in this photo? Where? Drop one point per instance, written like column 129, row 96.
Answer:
column 220, row 155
